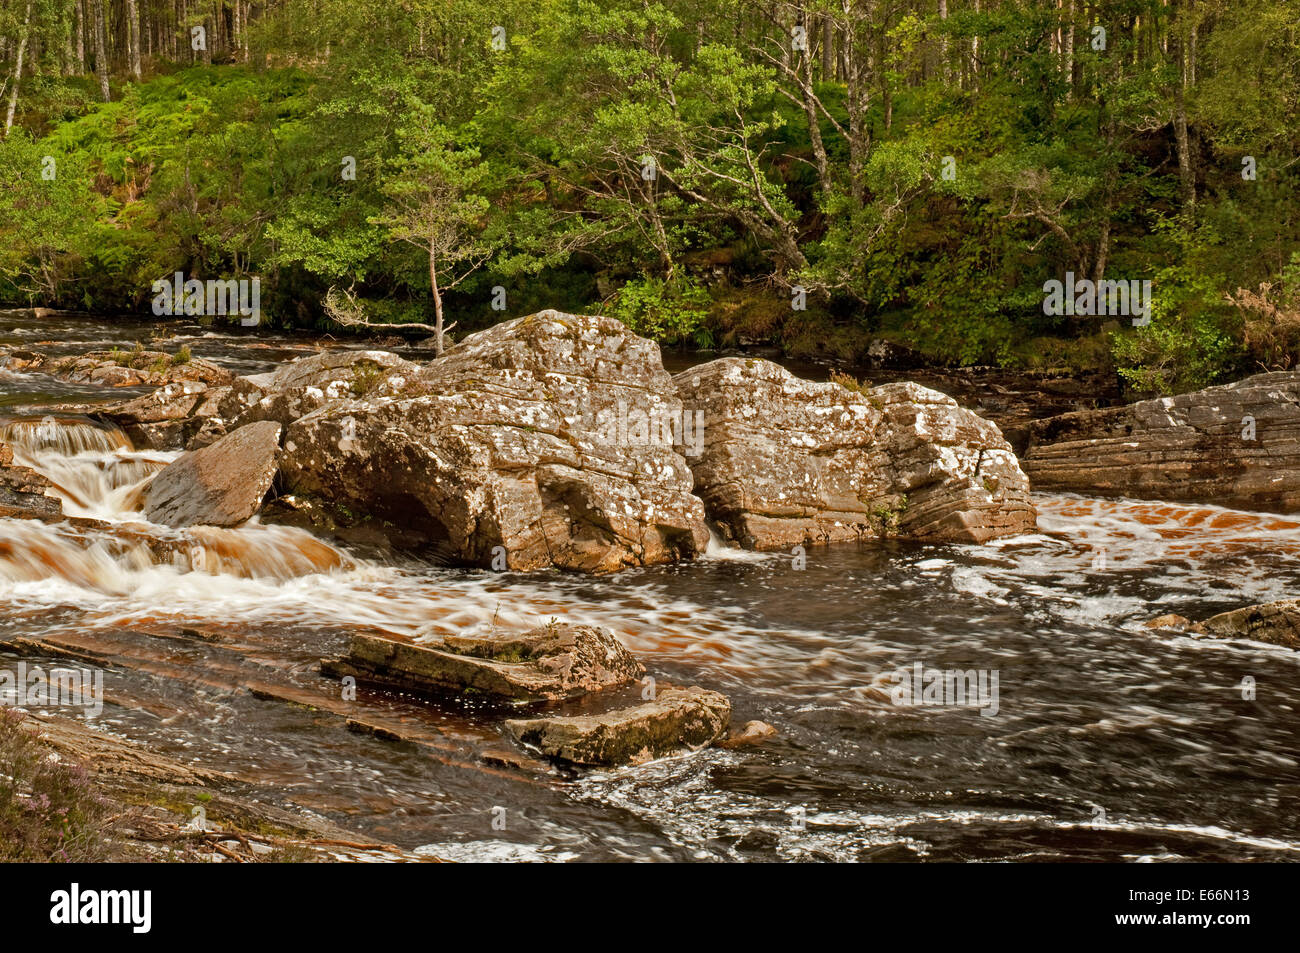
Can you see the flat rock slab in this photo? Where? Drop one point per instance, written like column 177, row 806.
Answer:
column 1235, row 445
column 548, row 663
column 220, row 485
column 678, row 719
column 1277, row 623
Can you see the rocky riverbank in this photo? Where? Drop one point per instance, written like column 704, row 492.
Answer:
column 557, row 441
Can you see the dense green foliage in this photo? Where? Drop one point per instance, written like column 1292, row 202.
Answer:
column 919, row 167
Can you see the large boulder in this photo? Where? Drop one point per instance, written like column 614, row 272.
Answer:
column 1235, row 445
column 549, row 663
column 678, row 719
column 219, row 485
column 787, row 461
column 508, row 451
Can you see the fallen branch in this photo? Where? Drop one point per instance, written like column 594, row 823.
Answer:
column 342, row 307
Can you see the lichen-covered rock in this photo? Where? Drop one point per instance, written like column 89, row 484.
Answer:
column 219, row 485
column 788, row 461
column 167, row 418
column 1236, row 445
column 507, row 453
column 1277, row 623
column 548, row 663
column 677, row 719
column 301, row 386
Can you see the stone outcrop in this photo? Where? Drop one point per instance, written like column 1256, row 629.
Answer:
column 678, row 719
column 508, row 451
column 549, row 663
column 787, row 461
column 1277, row 623
column 133, row 368
column 219, row 485
column 1236, row 445
column 193, row 414
column 296, row 389
column 168, row 418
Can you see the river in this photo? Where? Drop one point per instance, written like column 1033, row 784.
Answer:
column 1110, row 741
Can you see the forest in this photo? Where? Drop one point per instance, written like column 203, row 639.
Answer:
column 819, row 176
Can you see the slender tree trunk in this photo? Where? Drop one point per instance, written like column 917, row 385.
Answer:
column 1186, row 174
column 18, row 69
column 133, row 38
column 828, row 49
column 81, row 37
column 101, row 56
column 943, row 44
column 438, row 346
column 1069, row 47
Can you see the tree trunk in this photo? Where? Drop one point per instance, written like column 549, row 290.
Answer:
column 81, row 37
column 828, row 49
column 133, row 38
column 18, row 69
column 101, row 56
column 437, row 299
column 943, row 44
column 1186, row 174
column 1069, row 49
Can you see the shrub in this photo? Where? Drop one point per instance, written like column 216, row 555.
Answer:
column 49, row 811
column 667, row 312
column 1271, row 319
column 366, row 376
column 1186, row 345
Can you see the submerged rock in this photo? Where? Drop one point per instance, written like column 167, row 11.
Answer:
column 678, row 719
column 1277, row 623
column 507, row 451
column 220, row 485
column 1235, row 445
column 753, row 733
column 548, row 663
column 787, row 461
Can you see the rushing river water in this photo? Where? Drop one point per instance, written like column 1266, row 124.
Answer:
column 1109, row 741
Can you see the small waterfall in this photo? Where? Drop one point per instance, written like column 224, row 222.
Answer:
column 99, row 475
column 62, row 437
column 719, row 549
column 94, row 470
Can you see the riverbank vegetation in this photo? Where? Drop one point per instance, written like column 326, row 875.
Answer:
column 907, row 170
